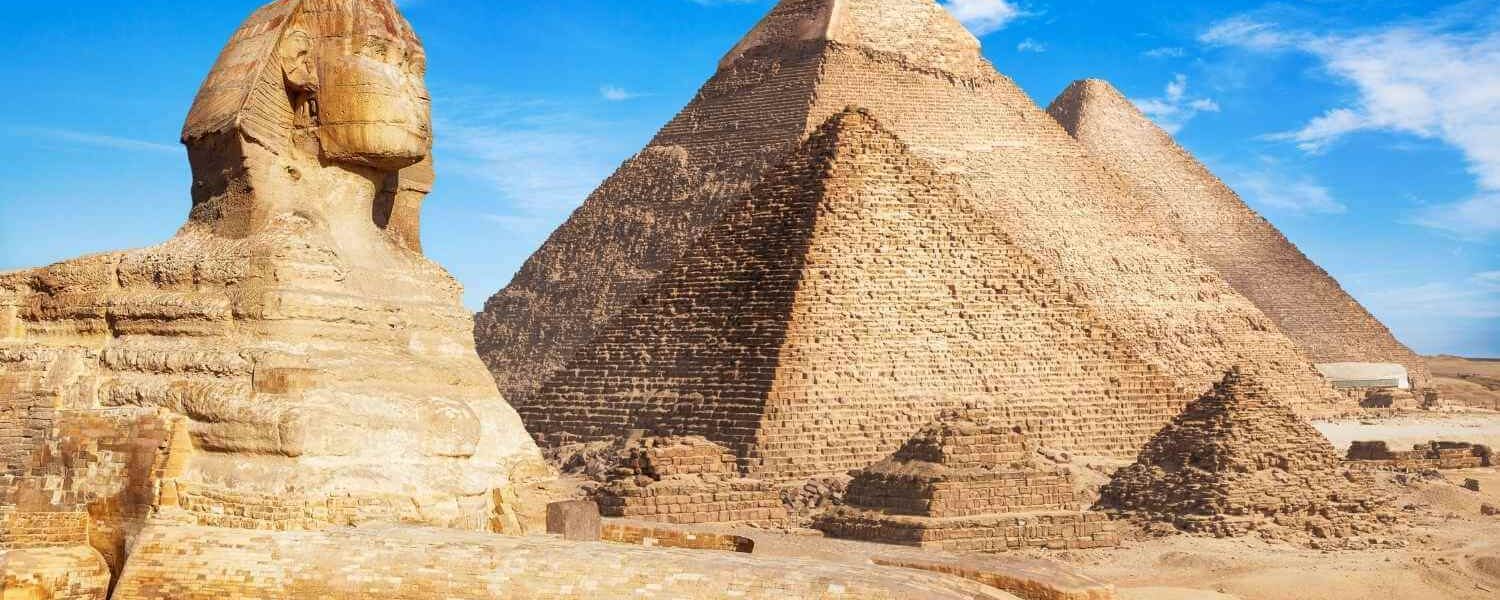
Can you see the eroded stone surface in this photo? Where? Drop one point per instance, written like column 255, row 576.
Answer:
column 917, row 71
column 1246, row 249
column 289, row 360
column 1237, row 461
column 187, row 563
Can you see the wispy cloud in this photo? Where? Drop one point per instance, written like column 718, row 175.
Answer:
column 1031, row 45
column 540, row 157
column 616, row 93
column 1169, row 52
column 102, row 141
column 1174, row 108
column 1478, row 297
column 1436, row 79
column 984, row 17
column 1270, row 185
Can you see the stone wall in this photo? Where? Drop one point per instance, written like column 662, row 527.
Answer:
column 1432, row 455
column 686, row 480
column 61, row 573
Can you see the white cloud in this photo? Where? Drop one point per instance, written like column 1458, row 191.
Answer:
column 1269, row 187
column 616, row 94
column 1433, row 80
column 1031, row 45
column 1475, row 298
column 103, row 141
column 1174, row 108
column 1170, row 52
column 541, row 158
column 984, row 16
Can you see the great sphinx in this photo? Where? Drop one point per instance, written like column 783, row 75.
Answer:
column 289, row 360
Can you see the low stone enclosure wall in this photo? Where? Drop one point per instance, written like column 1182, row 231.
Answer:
column 1432, row 455
column 686, row 480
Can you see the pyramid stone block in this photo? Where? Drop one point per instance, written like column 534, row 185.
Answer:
column 686, row 480
column 852, row 296
column 963, row 485
column 1247, row 250
column 917, row 69
column 1237, row 461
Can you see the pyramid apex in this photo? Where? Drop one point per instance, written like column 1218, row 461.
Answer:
column 920, row 31
column 1087, row 99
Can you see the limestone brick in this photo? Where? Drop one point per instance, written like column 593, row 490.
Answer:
column 1236, row 461
column 1432, row 455
column 963, row 485
column 1247, row 250
column 686, row 480
column 856, row 290
column 1080, row 224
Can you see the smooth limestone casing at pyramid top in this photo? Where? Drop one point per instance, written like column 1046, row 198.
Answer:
column 1248, row 251
column 853, row 295
column 289, row 359
column 921, row 74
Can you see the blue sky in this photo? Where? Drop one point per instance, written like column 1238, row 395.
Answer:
column 1368, row 131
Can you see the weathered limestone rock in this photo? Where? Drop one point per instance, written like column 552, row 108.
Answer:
column 53, row 573
column 1237, row 461
column 289, row 360
column 917, row 70
column 188, row 563
column 963, row 485
column 1246, row 249
column 855, row 290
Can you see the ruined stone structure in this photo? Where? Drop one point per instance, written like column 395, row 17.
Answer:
column 686, row 480
column 854, row 294
column 1237, row 461
column 1246, row 249
column 289, row 360
column 964, row 485
column 1097, row 247
column 1432, row 455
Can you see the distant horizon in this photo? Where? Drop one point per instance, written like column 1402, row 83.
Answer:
column 1364, row 131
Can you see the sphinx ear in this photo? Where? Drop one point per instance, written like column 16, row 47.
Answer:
column 298, row 63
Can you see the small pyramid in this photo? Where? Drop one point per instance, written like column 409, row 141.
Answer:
column 911, row 64
column 1247, row 250
column 962, row 483
column 853, row 296
column 1237, row 460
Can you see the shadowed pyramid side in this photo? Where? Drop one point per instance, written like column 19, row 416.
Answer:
column 1246, row 249
column 854, row 295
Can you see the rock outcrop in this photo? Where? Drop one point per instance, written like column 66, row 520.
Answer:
column 289, row 360
column 1246, row 249
column 917, row 70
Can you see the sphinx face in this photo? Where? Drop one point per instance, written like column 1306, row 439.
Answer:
column 373, row 104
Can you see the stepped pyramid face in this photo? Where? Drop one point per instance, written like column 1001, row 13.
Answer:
column 851, row 297
column 1246, row 249
column 1236, row 455
column 1079, row 220
column 289, row 359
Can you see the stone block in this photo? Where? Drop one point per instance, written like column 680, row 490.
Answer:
column 575, row 520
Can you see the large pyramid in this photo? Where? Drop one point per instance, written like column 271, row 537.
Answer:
column 915, row 68
column 1248, row 251
column 855, row 294
column 1236, row 461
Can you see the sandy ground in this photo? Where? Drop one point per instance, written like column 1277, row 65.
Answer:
column 1406, row 430
column 1467, row 381
column 1454, row 553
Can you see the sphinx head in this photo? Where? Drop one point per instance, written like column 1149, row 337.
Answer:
column 306, row 86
